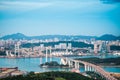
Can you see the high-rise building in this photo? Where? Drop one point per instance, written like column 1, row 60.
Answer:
column 17, row 49
column 96, row 48
column 108, row 48
column 103, row 47
column 69, row 46
column 63, row 45
column 42, row 46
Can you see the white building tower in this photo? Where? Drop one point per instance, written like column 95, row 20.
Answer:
column 69, row 46
column 46, row 54
column 17, row 49
column 50, row 53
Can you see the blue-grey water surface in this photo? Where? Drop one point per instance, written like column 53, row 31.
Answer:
column 32, row 64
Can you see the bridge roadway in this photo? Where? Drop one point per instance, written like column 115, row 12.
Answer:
column 89, row 67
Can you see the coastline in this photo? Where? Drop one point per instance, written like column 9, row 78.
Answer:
column 33, row 56
column 21, row 57
column 110, row 66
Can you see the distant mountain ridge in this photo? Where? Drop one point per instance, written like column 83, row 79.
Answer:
column 107, row 37
column 14, row 36
column 110, row 1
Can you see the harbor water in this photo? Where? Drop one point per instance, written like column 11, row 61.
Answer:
column 33, row 64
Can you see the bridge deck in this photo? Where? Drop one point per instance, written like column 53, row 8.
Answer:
column 97, row 68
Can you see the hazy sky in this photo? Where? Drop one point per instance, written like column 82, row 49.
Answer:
column 66, row 17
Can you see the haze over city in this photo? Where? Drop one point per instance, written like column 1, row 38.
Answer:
column 59, row 39
column 65, row 17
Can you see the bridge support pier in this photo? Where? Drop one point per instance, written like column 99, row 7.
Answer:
column 77, row 65
column 70, row 63
column 85, row 67
column 88, row 68
column 93, row 69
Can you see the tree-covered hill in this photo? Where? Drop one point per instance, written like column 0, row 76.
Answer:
column 104, row 62
column 74, row 44
column 50, row 76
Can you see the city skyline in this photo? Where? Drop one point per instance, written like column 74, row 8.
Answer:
column 62, row 17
